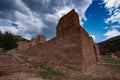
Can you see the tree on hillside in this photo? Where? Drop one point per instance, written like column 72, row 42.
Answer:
column 8, row 41
column 1, row 39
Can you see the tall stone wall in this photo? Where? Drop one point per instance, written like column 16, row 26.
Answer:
column 71, row 49
column 90, row 51
column 68, row 25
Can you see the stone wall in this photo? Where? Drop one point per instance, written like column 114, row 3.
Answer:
column 40, row 39
column 68, row 25
column 33, row 41
column 90, row 51
column 23, row 45
column 71, row 49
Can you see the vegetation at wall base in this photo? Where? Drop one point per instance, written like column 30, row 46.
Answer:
column 49, row 73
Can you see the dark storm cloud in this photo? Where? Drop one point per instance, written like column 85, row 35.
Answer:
column 47, row 6
column 38, row 6
column 50, row 30
column 7, row 5
column 35, row 17
column 7, row 8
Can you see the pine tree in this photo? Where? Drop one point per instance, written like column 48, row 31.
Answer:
column 9, row 42
column 1, row 39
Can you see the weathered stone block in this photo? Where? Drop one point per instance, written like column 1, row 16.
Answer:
column 40, row 39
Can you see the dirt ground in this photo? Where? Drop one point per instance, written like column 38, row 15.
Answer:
column 20, row 76
column 107, row 69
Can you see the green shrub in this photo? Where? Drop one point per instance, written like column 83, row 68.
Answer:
column 9, row 41
column 49, row 73
column 46, row 72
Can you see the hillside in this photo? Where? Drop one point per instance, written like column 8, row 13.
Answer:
column 110, row 46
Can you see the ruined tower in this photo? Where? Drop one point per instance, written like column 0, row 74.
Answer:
column 70, row 32
column 71, row 50
column 40, row 39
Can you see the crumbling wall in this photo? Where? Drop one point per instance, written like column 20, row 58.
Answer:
column 90, row 51
column 68, row 25
column 32, row 43
column 23, row 45
column 71, row 49
column 40, row 39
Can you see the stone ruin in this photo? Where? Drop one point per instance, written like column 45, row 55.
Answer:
column 71, row 50
column 38, row 40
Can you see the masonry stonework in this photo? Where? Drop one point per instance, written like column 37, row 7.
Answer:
column 71, row 49
column 40, row 39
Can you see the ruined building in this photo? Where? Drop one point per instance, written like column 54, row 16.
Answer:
column 71, row 49
column 38, row 40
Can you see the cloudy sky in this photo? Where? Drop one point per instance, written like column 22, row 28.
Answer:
column 28, row 18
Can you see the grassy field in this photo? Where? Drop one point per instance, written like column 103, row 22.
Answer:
column 114, row 61
column 114, row 64
column 43, row 71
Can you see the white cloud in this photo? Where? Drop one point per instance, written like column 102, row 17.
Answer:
column 59, row 13
column 85, row 4
column 114, row 10
column 114, row 18
column 5, row 26
column 112, row 33
column 81, row 8
column 111, row 3
column 62, row 11
column 9, row 29
column 116, row 27
column 113, row 7
column 30, row 23
column 106, row 27
column 93, row 36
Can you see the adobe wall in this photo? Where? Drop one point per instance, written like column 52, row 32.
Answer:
column 68, row 32
column 98, row 57
column 32, row 43
column 40, row 39
column 72, row 33
column 63, row 57
column 71, row 49
column 68, row 25
column 23, row 45
column 90, row 51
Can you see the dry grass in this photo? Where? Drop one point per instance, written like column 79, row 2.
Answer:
column 20, row 76
column 42, row 72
